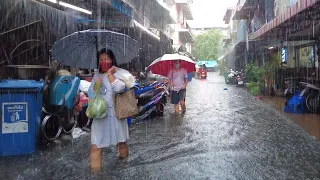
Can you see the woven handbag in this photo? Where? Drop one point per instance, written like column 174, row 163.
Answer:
column 126, row 104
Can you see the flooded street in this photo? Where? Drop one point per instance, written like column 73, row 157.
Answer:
column 225, row 134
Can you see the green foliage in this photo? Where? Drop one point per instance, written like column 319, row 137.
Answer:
column 222, row 66
column 252, row 84
column 271, row 65
column 208, row 45
column 255, row 90
column 255, row 74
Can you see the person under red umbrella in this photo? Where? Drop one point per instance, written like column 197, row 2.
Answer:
column 176, row 67
column 178, row 79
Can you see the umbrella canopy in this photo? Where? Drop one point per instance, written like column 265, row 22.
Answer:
column 164, row 64
column 80, row 48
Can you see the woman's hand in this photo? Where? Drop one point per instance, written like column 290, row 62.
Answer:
column 185, row 86
column 112, row 70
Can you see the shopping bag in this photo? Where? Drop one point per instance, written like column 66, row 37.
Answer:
column 98, row 108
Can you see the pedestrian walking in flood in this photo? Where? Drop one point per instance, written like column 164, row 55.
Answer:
column 107, row 131
column 178, row 78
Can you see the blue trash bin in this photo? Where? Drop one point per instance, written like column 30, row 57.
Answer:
column 20, row 108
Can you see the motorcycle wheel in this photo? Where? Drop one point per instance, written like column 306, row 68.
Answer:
column 67, row 126
column 313, row 103
column 51, row 127
column 83, row 121
column 160, row 109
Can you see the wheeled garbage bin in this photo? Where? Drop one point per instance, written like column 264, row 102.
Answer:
column 20, row 109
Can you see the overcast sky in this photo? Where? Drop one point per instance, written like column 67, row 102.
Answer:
column 209, row 13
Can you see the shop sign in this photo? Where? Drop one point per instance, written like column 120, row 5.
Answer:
column 122, row 7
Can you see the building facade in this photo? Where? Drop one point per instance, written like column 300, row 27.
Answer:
column 180, row 31
column 285, row 28
column 47, row 21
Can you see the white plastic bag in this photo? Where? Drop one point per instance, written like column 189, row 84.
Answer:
column 84, row 86
column 125, row 76
column 77, row 132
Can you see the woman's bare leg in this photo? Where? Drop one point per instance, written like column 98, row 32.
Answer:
column 123, row 149
column 183, row 106
column 176, row 108
column 96, row 158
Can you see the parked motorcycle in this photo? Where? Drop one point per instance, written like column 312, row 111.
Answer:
column 59, row 111
column 312, row 94
column 240, row 79
column 291, row 86
column 151, row 100
column 233, row 76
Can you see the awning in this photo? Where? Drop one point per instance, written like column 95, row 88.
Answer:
column 298, row 8
column 160, row 12
column 208, row 63
column 187, row 35
column 244, row 10
column 227, row 16
column 186, row 10
column 138, row 25
column 179, row 47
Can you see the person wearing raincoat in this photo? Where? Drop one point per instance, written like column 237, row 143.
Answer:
column 107, row 131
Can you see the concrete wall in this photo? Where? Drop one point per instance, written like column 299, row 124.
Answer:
column 291, row 57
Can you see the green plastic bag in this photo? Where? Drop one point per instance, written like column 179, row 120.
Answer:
column 97, row 109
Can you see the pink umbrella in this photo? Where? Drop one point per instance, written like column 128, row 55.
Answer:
column 164, row 64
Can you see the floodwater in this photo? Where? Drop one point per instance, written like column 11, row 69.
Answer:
column 309, row 122
column 225, row 134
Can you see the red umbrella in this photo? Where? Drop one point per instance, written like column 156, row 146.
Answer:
column 164, row 64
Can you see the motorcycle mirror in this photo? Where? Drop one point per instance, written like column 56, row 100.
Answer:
column 142, row 76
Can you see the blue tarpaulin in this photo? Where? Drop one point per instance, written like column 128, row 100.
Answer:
column 209, row 63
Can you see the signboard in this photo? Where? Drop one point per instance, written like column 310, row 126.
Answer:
column 14, row 117
column 122, row 7
column 284, row 55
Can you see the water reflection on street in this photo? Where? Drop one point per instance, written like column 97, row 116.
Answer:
column 225, row 134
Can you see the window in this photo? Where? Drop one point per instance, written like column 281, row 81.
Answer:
column 306, row 56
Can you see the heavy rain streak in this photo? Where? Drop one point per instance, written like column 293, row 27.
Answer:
column 159, row 89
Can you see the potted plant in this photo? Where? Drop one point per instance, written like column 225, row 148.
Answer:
column 269, row 75
column 255, row 77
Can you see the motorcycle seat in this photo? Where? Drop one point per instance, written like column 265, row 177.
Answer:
column 145, row 98
column 147, row 94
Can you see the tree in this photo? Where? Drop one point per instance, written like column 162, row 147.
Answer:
column 208, row 45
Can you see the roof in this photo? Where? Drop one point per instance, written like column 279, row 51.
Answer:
column 209, row 63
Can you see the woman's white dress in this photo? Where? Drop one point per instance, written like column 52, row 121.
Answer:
column 109, row 130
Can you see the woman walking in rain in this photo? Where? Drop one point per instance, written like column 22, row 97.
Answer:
column 109, row 130
column 178, row 78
